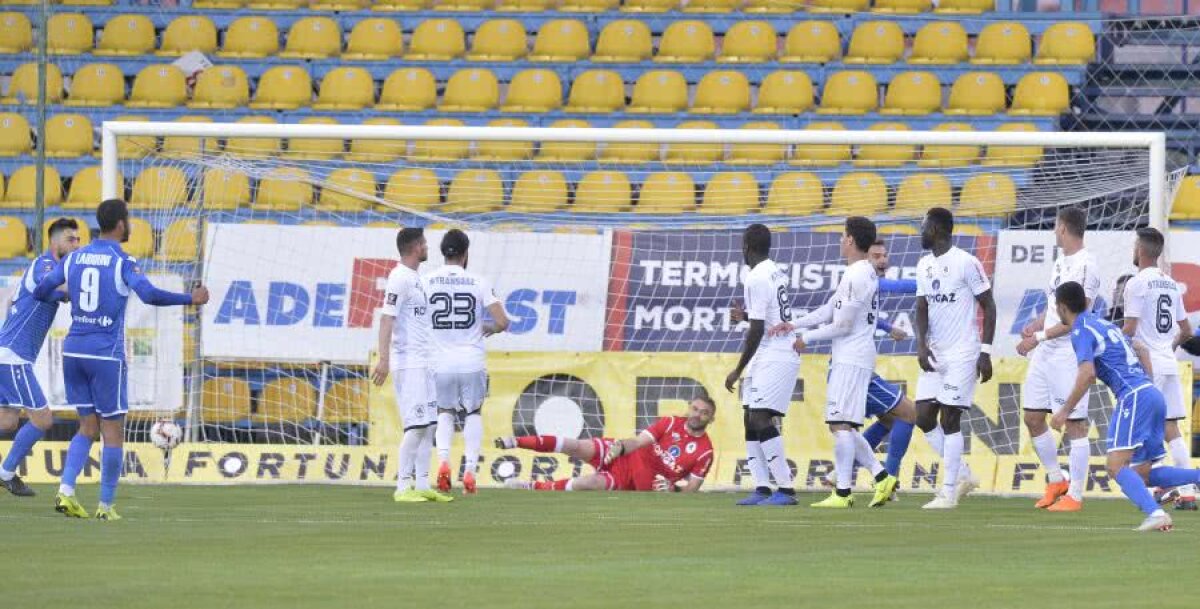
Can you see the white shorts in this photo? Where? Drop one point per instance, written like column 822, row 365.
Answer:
column 952, row 383
column 1172, row 390
column 769, row 386
column 846, row 394
column 464, row 391
column 415, row 397
column 1049, row 379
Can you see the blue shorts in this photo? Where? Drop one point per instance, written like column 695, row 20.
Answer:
column 1137, row 424
column 96, row 386
column 19, row 387
column 882, row 396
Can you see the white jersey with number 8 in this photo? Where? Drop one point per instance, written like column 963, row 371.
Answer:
column 768, row 300
column 457, row 300
column 1153, row 298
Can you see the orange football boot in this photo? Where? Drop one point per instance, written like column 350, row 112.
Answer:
column 1054, row 490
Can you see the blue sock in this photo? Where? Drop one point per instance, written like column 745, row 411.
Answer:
column 1135, row 489
column 111, row 458
column 876, row 433
column 26, row 437
column 77, row 455
column 1173, row 476
column 898, row 445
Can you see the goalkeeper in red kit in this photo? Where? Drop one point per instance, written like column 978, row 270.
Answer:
column 672, row 450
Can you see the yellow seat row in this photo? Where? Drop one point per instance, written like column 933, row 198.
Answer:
column 590, row 6
column 177, row 242
column 283, row 400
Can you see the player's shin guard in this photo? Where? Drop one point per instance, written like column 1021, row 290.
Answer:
column 1047, row 452
column 1078, row 461
column 424, row 454
column 472, row 439
column 541, row 444
column 444, row 435
column 111, row 459
column 864, row 455
column 898, row 442
column 1173, row 476
column 22, row 443
column 1135, row 489
column 772, row 448
column 937, row 441
column 952, row 461
column 843, row 459
column 77, row 455
column 408, row 458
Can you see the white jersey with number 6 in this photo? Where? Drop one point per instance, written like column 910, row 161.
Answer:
column 768, row 300
column 404, row 299
column 1153, row 298
column 949, row 284
column 858, row 289
column 457, row 300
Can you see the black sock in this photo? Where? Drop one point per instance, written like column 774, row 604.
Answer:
column 843, row 492
column 763, row 490
column 883, row 473
column 787, row 491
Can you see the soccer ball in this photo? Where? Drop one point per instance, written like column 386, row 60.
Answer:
column 165, row 434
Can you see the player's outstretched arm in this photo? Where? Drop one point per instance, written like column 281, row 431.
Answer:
column 154, row 296
column 898, row 286
column 628, row 445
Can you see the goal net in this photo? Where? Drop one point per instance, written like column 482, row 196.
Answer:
column 616, row 252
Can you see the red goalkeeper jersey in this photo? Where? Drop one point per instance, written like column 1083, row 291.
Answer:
column 675, row 454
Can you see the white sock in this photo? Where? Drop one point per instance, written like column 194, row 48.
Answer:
column 757, row 462
column 952, row 461
column 472, row 439
column 6, row 475
column 777, row 461
column 1078, row 462
column 570, row 486
column 444, row 435
column 66, row 490
column 1181, row 455
column 408, row 458
column 865, row 456
column 424, row 452
column 843, row 457
column 1047, row 452
column 936, row 440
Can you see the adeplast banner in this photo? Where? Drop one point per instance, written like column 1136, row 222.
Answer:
column 312, row 293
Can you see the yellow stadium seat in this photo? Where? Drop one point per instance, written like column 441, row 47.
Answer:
column 284, row 189
column 135, row 147
column 603, row 192
column 286, row 400
column 795, row 194
column 876, row 42
column 1014, row 156
column 15, row 136
column 277, row 5
column 189, row 146
column 630, row 152
column 437, row 40
column 283, row 88
column 473, row 6
column 1066, row 43
column 68, row 135
column 666, row 193
column 902, row 6
column 440, row 150
column 649, row 6
column 190, row 33
column 969, row 230
column 711, row 6
column 1002, row 43
column 686, row 41
column 849, row 92
column 624, row 41
column 141, row 239
column 785, row 92
column 838, row 6
column 159, row 188
column 943, row 42
column 312, row 149
column 659, row 91
column 97, row 84
column 965, row 6
column 313, row 38
column 374, row 39
column 346, row 401
column 158, row 86
column 749, row 42
column 822, row 155
column 221, row 87
column 377, row 151
column 408, row 90
column 561, row 40
column 471, row 90
column 596, row 91
column 771, row 6
column 567, row 152
column 987, row 194
column 722, row 92
column 730, row 193
column 218, row 4
column 400, row 5
column 913, row 93
column 413, row 189
column 340, row 5
column 1041, row 94
column 254, row 146
column 949, row 156
column 588, row 6
column 250, row 37
column 224, row 190
column 475, row 191
column 69, row 34
column 883, row 155
column 14, row 237
column 858, row 194
column 348, row 189
column 224, row 400
column 23, row 85
column 126, row 35
column 694, row 153
column 526, row 6
column 498, row 40
column 893, row 228
column 535, row 90
column 538, row 192
column 1187, row 199
column 84, row 192
column 22, row 185
column 920, row 191
column 757, row 154
column 812, row 42
column 16, row 33
column 346, row 89
column 976, row 93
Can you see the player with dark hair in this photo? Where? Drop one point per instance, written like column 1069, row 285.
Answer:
column 21, row 338
column 672, row 451
column 1116, row 306
column 99, row 278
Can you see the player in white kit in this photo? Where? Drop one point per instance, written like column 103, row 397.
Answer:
column 1154, row 315
column 457, row 301
column 1052, row 365
column 404, row 345
column 950, row 283
column 769, row 381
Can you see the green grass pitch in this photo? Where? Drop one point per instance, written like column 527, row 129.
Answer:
column 310, row 546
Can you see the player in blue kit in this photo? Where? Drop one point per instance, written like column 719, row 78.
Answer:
column 1136, row 427
column 21, row 339
column 99, row 278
